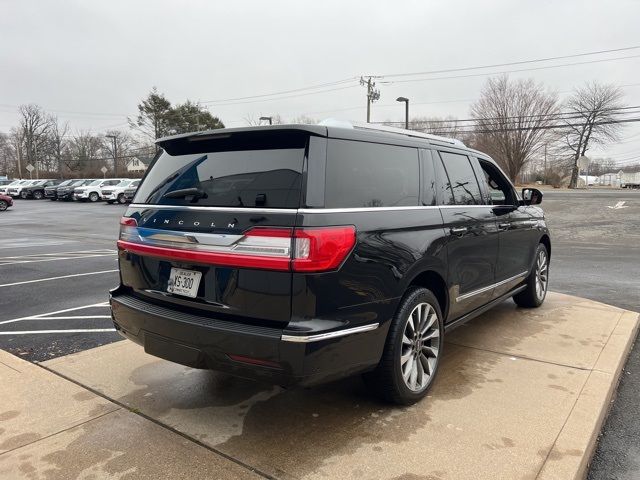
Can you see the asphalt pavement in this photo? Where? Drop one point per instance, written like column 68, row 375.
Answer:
column 596, row 254
column 58, row 261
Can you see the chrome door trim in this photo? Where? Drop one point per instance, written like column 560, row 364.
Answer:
column 214, row 209
column 329, row 335
column 460, row 298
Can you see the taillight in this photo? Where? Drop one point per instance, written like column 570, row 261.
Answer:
column 315, row 249
column 323, row 248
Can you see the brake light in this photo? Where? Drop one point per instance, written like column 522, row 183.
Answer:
column 315, row 249
column 322, row 249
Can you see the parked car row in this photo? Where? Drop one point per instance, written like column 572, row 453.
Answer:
column 111, row 190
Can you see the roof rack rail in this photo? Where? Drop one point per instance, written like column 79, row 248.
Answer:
column 383, row 128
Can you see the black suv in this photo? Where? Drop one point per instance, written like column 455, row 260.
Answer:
column 51, row 192
column 36, row 190
column 301, row 254
column 65, row 192
column 131, row 190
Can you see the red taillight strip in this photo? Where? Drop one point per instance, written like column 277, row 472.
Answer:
column 208, row 258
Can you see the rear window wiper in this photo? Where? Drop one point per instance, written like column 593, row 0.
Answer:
column 191, row 194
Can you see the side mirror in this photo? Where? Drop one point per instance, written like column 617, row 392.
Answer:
column 531, row 196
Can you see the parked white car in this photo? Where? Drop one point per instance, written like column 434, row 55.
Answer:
column 92, row 191
column 4, row 189
column 15, row 190
column 115, row 193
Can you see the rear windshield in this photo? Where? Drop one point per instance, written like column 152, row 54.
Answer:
column 244, row 174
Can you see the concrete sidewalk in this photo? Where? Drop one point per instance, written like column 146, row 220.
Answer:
column 520, row 394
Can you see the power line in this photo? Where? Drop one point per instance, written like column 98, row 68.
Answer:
column 282, row 92
column 520, row 62
column 390, row 82
column 541, row 116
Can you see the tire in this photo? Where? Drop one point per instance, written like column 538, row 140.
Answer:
column 23, row 195
column 110, row 202
column 3, row 205
column 53, row 199
column 38, row 195
column 94, row 197
column 394, row 379
column 537, row 282
column 121, row 199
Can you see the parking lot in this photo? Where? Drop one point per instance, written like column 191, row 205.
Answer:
column 58, row 261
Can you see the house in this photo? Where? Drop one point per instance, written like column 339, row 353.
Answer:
column 138, row 164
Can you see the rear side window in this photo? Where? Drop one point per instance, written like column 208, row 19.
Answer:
column 230, row 174
column 360, row 174
column 464, row 184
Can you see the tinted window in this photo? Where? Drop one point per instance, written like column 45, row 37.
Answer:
column 269, row 176
column 428, row 179
column 443, row 187
column 466, row 190
column 363, row 174
column 500, row 190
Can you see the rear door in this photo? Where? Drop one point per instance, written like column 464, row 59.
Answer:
column 210, row 225
column 472, row 242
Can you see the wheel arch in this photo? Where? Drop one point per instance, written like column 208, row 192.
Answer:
column 546, row 241
column 435, row 282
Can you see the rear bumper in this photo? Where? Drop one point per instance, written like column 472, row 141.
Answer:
column 260, row 353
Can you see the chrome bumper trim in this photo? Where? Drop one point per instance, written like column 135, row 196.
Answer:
column 326, row 336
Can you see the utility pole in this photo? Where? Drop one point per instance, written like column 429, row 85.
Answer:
column 372, row 94
column 19, row 153
column 115, row 154
column 35, row 160
column 545, row 164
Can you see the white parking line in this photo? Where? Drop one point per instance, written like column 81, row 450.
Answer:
column 32, row 244
column 57, row 278
column 77, row 330
column 20, row 262
column 44, row 315
column 101, row 250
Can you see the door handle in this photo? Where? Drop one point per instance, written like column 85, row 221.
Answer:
column 504, row 226
column 458, row 230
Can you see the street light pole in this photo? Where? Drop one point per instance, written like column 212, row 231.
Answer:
column 115, row 154
column 269, row 119
column 406, row 110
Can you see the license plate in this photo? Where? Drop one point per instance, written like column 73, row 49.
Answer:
column 184, row 282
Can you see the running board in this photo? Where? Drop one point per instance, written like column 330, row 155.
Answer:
column 484, row 308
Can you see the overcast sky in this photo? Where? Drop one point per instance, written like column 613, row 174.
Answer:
column 90, row 62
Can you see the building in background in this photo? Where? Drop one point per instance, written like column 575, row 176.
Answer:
column 138, row 164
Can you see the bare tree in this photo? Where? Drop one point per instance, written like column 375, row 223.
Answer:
column 16, row 140
column 7, row 163
column 512, row 121
column 58, row 143
column 35, row 126
column 123, row 144
column 84, row 149
column 305, row 120
column 448, row 127
column 592, row 112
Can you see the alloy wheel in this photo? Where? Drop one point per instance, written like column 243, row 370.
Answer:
column 420, row 347
column 3, row 205
column 37, row 195
column 93, row 197
column 542, row 274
